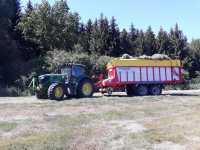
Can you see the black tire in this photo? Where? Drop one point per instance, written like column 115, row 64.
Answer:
column 89, row 92
column 53, row 89
column 141, row 90
column 155, row 90
column 130, row 90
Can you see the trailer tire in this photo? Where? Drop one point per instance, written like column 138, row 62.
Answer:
column 141, row 90
column 130, row 90
column 155, row 90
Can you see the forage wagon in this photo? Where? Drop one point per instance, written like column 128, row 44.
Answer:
column 141, row 76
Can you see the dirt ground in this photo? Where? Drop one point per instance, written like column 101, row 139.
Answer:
column 167, row 122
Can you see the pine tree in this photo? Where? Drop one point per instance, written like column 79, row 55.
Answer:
column 124, row 42
column 114, row 38
column 29, row 7
column 94, row 41
column 9, row 53
column 178, row 42
column 104, row 35
column 163, row 42
column 140, row 42
column 150, row 42
column 88, row 33
column 133, row 37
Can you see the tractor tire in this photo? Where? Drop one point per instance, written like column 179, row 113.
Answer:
column 130, row 90
column 155, row 90
column 85, row 88
column 56, row 92
column 141, row 90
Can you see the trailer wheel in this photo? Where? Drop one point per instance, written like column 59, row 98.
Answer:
column 141, row 90
column 155, row 90
column 129, row 90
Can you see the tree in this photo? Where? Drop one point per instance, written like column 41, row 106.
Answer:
column 163, row 42
column 178, row 42
column 51, row 27
column 99, row 42
column 140, row 42
column 29, row 7
column 114, row 38
column 9, row 54
column 124, row 42
column 193, row 63
column 133, row 35
column 150, row 42
column 88, row 32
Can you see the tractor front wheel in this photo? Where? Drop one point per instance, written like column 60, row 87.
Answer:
column 56, row 92
column 85, row 88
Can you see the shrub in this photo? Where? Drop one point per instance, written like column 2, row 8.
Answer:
column 93, row 63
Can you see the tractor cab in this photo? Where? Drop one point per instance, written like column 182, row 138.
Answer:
column 70, row 80
column 73, row 71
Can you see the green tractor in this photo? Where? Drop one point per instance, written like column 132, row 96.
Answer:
column 71, row 81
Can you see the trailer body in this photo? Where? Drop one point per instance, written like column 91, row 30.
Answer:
column 123, row 73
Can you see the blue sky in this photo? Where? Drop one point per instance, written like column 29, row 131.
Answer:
column 142, row 13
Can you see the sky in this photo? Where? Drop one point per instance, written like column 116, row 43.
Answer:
column 142, row 13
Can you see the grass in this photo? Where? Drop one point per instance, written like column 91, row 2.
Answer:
column 165, row 118
column 7, row 126
column 40, row 141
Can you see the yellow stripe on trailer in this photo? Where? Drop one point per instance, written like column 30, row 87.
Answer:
column 117, row 62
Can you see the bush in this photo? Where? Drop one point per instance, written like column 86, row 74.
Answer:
column 93, row 63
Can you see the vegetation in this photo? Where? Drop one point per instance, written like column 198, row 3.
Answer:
column 44, row 36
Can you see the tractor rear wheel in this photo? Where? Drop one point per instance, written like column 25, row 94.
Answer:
column 85, row 88
column 155, row 90
column 56, row 92
column 141, row 90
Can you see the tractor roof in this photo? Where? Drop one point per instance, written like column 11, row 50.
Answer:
column 71, row 64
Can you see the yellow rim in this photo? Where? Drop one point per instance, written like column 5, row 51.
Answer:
column 87, row 89
column 58, row 92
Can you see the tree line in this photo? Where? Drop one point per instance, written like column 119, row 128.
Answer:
column 29, row 35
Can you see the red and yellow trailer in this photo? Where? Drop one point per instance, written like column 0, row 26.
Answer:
column 142, row 76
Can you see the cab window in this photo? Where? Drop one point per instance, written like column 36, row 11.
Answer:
column 78, row 71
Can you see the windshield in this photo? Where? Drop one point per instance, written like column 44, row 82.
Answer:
column 66, row 70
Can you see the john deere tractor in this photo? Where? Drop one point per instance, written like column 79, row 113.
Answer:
column 71, row 81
